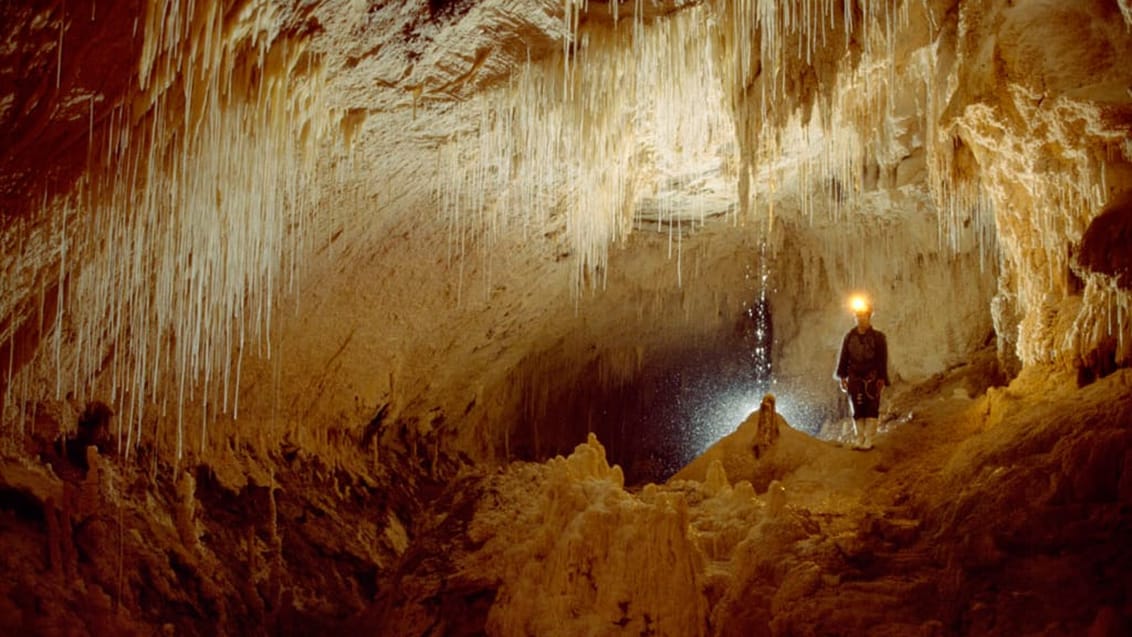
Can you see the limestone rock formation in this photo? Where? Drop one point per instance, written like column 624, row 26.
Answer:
column 305, row 307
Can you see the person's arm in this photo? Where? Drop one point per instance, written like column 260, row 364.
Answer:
column 882, row 360
column 842, row 371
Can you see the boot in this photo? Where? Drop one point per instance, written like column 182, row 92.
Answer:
column 859, row 433
column 870, row 432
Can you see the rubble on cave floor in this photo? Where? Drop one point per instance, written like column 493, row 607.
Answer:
column 967, row 518
column 1002, row 513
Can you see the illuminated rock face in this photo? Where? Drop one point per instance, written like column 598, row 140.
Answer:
column 1047, row 119
column 412, row 234
column 318, row 198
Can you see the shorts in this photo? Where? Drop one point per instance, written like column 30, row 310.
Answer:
column 864, row 397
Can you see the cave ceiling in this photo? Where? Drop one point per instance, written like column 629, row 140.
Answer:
column 186, row 186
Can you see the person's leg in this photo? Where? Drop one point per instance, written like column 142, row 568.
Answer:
column 868, row 410
column 858, row 405
column 859, row 433
column 870, row 432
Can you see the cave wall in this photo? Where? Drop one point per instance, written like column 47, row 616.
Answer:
column 1043, row 110
column 359, row 292
column 302, row 283
column 931, row 303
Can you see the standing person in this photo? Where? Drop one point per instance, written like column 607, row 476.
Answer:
column 862, row 370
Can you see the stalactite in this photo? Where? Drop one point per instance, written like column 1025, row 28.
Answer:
column 579, row 126
column 183, row 231
column 166, row 263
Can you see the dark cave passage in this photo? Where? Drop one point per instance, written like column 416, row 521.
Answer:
column 677, row 405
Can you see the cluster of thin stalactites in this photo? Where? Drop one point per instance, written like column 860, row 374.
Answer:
column 178, row 242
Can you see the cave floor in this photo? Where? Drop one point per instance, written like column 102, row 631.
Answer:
column 1001, row 510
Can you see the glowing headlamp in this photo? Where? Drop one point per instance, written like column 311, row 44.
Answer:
column 860, row 304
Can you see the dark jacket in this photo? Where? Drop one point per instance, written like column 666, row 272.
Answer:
column 863, row 355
